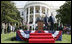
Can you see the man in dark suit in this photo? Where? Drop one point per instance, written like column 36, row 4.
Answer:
column 39, row 18
column 51, row 20
column 46, row 22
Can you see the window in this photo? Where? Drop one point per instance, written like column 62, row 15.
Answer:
column 37, row 9
column 31, row 10
column 31, row 19
column 22, row 13
column 27, row 10
column 43, row 10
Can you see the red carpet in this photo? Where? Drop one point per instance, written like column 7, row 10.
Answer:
column 41, row 38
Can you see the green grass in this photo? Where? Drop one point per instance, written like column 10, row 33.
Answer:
column 6, row 38
column 65, row 39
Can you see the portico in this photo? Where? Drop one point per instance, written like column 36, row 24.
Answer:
column 33, row 11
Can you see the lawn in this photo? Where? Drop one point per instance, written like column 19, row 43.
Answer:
column 65, row 39
column 6, row 38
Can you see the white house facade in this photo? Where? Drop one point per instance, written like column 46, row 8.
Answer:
column 34, row 9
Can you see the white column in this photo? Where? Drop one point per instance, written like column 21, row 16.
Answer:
column 34, row 18
column 28, row 17
column 46, row 11
column 20, row 13
column 25, row 14
column 40, row 10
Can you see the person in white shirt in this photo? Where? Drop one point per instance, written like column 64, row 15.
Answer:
column 11, row 27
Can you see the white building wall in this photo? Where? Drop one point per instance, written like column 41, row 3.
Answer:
column 49, row 13
column 52, row 9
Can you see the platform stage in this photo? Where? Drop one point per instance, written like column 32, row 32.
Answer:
column 39, row 36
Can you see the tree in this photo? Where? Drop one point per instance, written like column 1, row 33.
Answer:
column 64, row 13
column 9, row 12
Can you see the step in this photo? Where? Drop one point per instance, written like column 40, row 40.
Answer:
column 41, row 34
column 41, row 37
column 41, row 41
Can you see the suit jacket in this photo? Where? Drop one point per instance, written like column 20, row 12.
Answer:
column 39, row 18
column 51, row 19
column 45, row 19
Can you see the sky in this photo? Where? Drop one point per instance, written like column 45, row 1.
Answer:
column 20, row 4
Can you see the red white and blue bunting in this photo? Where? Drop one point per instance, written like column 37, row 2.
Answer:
column 25, row 36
